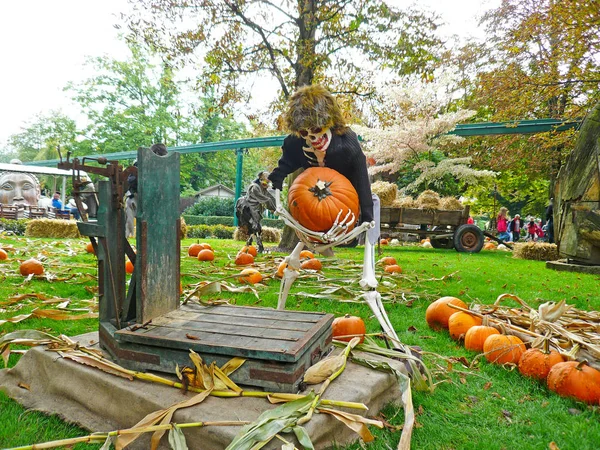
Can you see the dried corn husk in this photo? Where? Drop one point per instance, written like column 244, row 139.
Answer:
column 386, row 192
column 322, row 370
column 536, row 251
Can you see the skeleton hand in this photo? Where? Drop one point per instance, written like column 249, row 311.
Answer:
column 278, row 206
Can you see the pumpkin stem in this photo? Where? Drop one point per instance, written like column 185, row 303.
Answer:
column 321, row 189
column 581, row 364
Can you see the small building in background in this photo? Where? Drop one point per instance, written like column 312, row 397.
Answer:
column 218, row 190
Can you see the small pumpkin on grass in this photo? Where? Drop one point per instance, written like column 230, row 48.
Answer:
column 503, row 349
column 575, row 379
column 31, row 266
column 476, row 336
column 244, row 259
column 312, row 264
column 384, row 242
column 249, row 249
column 393, row 268
column 489, row 246
column 90, row 248
column 306, row 254
column 194, row 249
column 250, row 276
column 206, row 255
column 388, row 261
column 128, row 266
column 3, row 255
column 536, row 362
column 460, row 323
column 280, row 269
column 347, row 327
column 439, row 312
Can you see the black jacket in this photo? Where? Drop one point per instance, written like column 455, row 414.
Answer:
column 343, row 154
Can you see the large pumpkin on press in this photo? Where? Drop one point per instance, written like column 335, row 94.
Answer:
column 317, row 196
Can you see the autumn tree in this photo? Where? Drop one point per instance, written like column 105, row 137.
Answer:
column 543, row 63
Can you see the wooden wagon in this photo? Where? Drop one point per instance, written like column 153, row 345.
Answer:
column 445, row 229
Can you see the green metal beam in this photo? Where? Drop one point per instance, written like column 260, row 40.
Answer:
column 465, row 129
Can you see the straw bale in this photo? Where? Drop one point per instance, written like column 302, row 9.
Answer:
column 404, row 202
column 536, row 251
column 52, row 228
column 451, row 204
column 428, row 200
column 386, row 192
column 269, row 234
column 183, row 227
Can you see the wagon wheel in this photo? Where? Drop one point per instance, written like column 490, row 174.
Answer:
column 441, row 242
column 468, row 238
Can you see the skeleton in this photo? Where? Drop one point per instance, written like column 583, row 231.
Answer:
column 341, row 232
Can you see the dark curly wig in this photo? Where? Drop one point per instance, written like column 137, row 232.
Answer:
column 313, row 107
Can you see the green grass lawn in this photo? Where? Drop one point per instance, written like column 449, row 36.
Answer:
column 483, row 407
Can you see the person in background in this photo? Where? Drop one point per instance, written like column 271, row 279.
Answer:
column 550, row 221
column 470, row 220
column 44, row 201
column 131, row 194
column 56, row 203
column 531, row 230
column 515, row 227
column 502, row 224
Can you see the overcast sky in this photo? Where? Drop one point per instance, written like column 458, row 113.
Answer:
column 45, row 42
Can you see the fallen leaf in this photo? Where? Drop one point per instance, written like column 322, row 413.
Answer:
column 553, row 446
column 191, row 336
column 487, row 385
column 24, row 386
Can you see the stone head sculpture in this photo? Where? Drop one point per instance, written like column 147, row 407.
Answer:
column 19, row 188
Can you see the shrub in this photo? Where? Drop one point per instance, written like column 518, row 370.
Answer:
column 209, row 220
column 212, row 206
column 14, row 226
column 209, row 231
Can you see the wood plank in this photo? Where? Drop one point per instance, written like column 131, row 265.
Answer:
column 259, row 348
column 264, row 313
column 214, row 319
column 231, row 329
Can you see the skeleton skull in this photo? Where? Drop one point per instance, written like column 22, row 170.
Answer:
column 317, row 138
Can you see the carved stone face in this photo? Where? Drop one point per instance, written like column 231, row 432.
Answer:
column 18, row 188
column 317, row 138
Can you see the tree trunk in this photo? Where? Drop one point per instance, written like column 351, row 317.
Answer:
column 304, row 76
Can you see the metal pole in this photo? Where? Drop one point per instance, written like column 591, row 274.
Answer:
column 64, row 191
column 238, row 180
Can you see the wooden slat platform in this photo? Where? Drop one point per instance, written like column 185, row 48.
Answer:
column 259, row 333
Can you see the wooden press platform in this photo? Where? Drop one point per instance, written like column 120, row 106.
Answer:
column 279, row 346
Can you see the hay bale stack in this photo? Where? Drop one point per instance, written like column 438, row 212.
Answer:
column 387, row 192
column 404, row 202
column 428, row 200
column 269, row 234
column 451, row 204
column 52, row 228
column 535, row 251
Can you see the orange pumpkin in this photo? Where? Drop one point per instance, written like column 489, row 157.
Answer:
column 388, row 261
column 347, row 327
column 90, row 248
column 575, row 379
column 194, row 249
column 31, row 266
column 317, row 196
column 393, row 268
column 489, row 246
column 306, row 254
column 280, row 269
column 128, row 266
column 251, row 276
column 180, row 288
column 460, row 323
column 536, row 363
column 244, row 259
column 503, row 349
column 476, row 336
column 249, row 249
column 439, row 312
column 384, row 242
column 206, row 255
column 3, row 255
column 312, row 264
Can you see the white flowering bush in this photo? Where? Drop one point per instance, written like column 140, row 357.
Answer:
column 412, row 124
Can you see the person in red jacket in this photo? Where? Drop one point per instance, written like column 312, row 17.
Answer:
column 502, row 224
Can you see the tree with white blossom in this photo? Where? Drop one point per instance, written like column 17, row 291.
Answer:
column 412, row 123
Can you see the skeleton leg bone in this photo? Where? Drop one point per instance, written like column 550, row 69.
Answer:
column 290, row 273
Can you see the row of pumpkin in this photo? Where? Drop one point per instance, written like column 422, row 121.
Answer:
column 567, row 378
